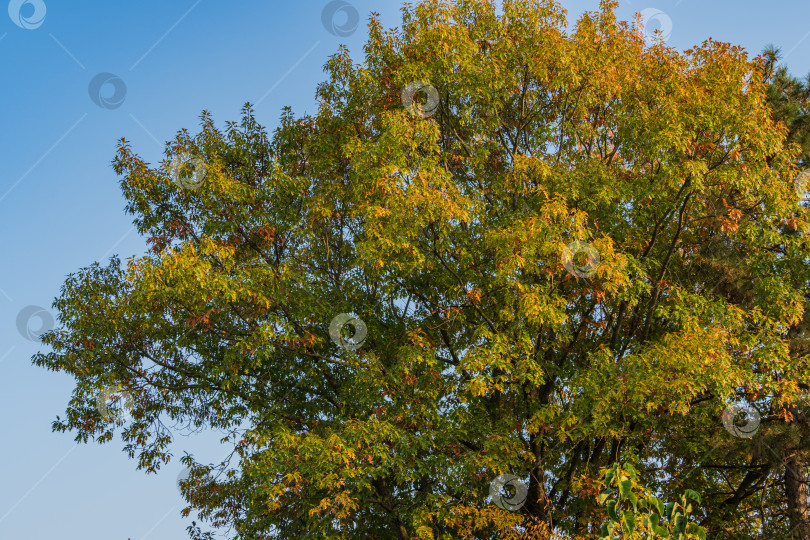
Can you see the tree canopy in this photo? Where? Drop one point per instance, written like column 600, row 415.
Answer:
column 513, row 275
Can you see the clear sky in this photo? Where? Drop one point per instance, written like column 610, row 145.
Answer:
column 163, row 62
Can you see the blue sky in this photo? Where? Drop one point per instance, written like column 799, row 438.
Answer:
column 60, row 206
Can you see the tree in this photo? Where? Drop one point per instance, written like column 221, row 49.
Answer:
column 762, row 474
column 504, row 256
column 790, row 100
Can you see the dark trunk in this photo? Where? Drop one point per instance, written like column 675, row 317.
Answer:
column 796, row 494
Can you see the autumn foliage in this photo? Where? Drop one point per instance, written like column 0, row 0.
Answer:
column 443, row 225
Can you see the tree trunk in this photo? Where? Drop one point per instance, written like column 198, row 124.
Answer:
column 796, row 493
column 537, row 504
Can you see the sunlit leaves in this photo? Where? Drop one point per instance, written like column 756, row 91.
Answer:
column 446, row 233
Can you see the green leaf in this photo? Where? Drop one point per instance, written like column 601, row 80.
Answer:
column 692, row 494
column 696, row 529
column 629, row 521
column 611, row 509
column 680, row 523
column 625, row 489
column 659, row 506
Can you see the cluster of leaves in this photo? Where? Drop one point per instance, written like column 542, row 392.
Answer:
column 635, row 514
column 446, row 234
